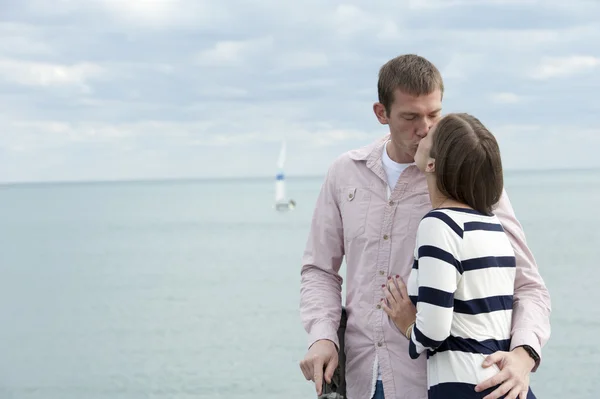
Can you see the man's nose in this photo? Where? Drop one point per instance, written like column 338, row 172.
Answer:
column 424, row 128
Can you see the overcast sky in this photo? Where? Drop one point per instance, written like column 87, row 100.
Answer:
column 111, row 89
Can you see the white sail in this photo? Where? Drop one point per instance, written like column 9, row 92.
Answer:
column 282, row 155
column 281, row 202
column 280, row 178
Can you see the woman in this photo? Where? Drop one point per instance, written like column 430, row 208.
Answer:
column 463, row 274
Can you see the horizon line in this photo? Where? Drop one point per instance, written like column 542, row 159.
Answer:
column 233, row 178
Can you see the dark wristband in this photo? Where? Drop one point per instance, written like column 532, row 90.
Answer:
column 532, row 353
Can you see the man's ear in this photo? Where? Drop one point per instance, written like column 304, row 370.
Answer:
column 380, row 113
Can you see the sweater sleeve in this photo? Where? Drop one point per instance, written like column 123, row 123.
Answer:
column 438, row 267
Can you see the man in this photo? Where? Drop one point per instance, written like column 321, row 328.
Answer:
column 368, row 211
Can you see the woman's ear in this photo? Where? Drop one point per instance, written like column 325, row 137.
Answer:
column 430, row 168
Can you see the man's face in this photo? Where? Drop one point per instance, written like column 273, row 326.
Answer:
column 423, row 155
column 410, row 118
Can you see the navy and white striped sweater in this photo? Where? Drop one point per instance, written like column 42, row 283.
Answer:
column 462, row 284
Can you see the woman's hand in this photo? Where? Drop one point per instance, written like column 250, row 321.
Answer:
column 397, row 304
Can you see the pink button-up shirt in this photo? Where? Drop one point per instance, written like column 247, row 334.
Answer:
column 355, row 218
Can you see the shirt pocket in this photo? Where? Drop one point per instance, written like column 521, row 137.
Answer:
column 355, row 206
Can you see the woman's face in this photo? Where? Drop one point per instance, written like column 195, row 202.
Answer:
column 422, row 157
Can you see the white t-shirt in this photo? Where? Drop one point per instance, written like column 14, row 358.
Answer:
column 393, row 169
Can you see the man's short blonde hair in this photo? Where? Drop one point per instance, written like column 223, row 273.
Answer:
column 410, row 73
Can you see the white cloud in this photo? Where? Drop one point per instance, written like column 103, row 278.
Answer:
column 224, row 93
column 349, row 19
column 166, row 148
column 334, row 136
column 184, row 84
column 515, row 129
column 167, row 13
column 389, row 30
column 547, row 147
column 512, row 47
column 506, row 98
column 320, row 137
column 47, row 74
column 19, row 39
column 152, row 11
column 302, row 60
column 153, row 14
column 462, row 66
column 557, row 67
column 35, row 135
column 304, row 84
column 42, row 136
column 539, row 4
column 234, row 52
column 440, row 4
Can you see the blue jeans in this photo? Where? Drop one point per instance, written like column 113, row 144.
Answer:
column 378, row 390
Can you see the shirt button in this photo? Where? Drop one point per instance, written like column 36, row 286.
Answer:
column 385, row 237
column 379, row 344
column 382, row 272
column 378, row 306
column 391, row 202
column 350, row 196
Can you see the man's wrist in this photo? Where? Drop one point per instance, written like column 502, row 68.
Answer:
column 522, row 337
column 323, row 330
column 528, row 352
column 325, row 340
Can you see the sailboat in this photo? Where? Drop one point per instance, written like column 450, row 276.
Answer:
column 281, row 202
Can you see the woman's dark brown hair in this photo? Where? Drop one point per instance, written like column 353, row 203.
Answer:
column 468, row 166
